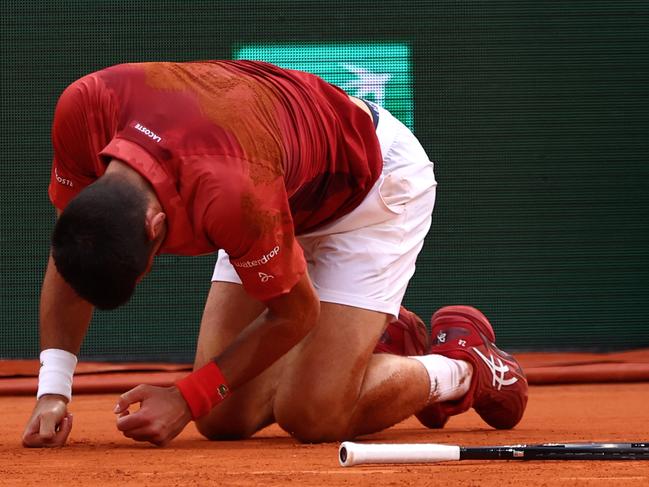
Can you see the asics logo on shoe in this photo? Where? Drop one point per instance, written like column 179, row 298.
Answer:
column 498, row 370
column 441, row 337
column 264, row 277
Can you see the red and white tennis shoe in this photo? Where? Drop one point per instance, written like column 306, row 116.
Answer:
column 405, row 336
column 498, row 390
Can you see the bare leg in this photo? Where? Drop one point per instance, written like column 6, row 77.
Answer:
column 329, row 387
column 229, row 310
column 336, row 388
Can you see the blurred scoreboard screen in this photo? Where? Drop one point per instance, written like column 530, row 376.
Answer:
column 374, row 71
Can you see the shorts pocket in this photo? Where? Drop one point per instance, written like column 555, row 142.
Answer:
column 393, row 192
column 400, row 187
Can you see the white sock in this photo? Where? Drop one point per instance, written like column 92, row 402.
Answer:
column 449, row 379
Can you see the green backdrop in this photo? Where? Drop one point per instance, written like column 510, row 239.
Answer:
column 535, row 113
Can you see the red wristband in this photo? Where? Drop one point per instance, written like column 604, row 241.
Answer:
column 203, row 389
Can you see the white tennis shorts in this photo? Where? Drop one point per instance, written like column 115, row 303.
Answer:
column 366, row 258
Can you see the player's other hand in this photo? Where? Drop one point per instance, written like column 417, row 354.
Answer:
column 50, row 423
column 163, row 414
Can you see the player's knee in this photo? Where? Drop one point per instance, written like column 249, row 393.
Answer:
column 311, row 421
column 220, row 430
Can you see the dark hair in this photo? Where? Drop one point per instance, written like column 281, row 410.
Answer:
column 99, row 244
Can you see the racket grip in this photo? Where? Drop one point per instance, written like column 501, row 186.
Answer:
column 350, row 453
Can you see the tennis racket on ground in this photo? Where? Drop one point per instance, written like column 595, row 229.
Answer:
column 351, row 453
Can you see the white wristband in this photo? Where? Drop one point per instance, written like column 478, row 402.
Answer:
column 55, row 376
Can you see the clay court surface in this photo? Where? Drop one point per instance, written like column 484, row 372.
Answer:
column 97, row 454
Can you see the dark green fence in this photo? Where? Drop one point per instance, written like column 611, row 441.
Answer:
column 536, row 113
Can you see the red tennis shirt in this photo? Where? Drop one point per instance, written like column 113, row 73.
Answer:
column 242, row 155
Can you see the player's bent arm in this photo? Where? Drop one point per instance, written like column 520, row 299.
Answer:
column 287, row 320
column 164, row 412
column 64, row 319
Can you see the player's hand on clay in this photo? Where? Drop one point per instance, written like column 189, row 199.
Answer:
column 50, row 423
column 163, row 414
